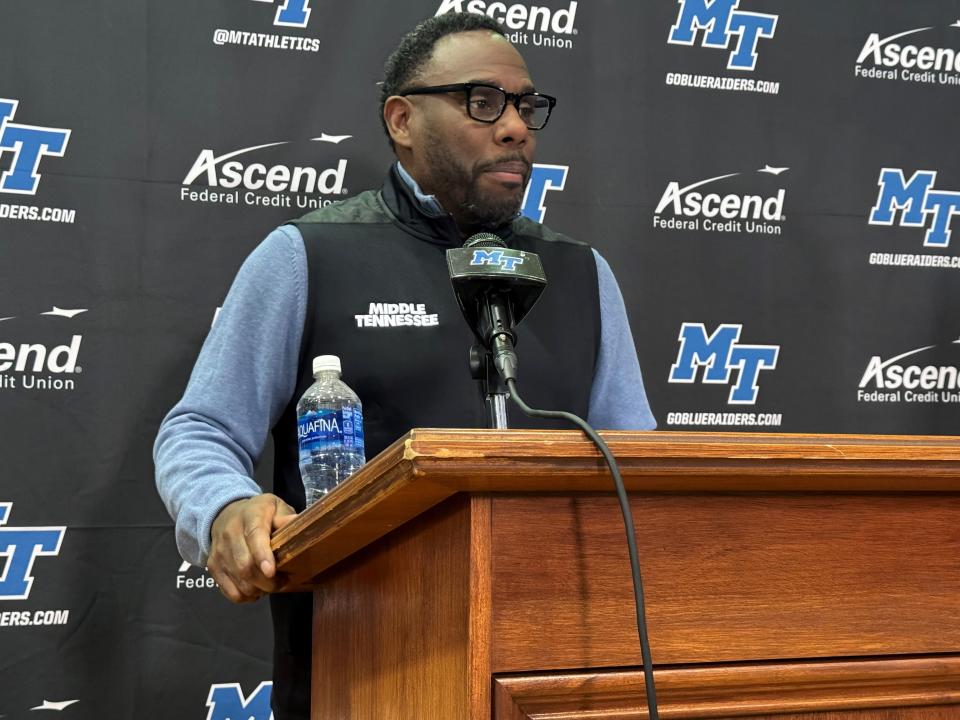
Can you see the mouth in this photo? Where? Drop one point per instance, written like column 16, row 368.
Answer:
column 511, row 173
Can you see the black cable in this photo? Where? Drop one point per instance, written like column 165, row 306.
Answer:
column 631, row 537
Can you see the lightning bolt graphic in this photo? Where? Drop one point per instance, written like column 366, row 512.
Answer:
column 58, row 706
column 331, row 138
column 60, row 312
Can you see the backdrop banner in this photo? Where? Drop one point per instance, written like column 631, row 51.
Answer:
column 772, row 183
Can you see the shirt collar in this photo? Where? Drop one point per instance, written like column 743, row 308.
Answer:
column 428, row 204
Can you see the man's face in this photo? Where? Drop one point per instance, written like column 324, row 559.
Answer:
column 477, row 170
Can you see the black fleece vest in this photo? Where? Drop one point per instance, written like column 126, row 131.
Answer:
column 375, row 257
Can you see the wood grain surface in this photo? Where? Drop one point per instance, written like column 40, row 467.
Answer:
column 426, row 466
column 728, row 577
column 927, row 687
column 392, row 627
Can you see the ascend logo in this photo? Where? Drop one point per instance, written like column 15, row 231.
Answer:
column 691, row 208
column 536, row 25
column 19, row 547
column 543, row 178
column 918, row 202
column 277, row 185
column 40, row 366
column 892, row 58
column 719, row 24
column 227, row 702
column 897, row 379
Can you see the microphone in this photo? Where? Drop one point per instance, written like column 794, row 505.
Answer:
column 495, row 287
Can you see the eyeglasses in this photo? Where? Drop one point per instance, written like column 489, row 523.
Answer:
column 486, row 103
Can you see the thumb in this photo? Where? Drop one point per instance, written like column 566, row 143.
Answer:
column 282, row 515
column 281, row 521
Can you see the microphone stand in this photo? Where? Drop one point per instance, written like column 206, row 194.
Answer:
column 494, row 362
column 492, row 387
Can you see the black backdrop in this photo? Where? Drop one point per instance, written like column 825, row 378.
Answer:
column 773, row 282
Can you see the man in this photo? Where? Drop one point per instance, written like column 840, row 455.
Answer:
column 461, row 112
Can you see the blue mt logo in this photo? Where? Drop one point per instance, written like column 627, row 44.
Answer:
column 719, row 353
column 226, row 702
column 543, row 178
column 19, row 547
column 28, row 143
column 918, row 202
column 292, row 13
column 721, row 22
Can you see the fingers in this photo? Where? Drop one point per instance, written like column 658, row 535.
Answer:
column 241, row 559
column 232, row 592
column 261, row 521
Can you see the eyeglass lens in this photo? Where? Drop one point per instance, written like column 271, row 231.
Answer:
column 487, row 103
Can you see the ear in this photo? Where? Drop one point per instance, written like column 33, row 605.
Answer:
column 397, row 112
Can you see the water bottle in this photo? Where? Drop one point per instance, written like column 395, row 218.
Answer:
column 329, row 430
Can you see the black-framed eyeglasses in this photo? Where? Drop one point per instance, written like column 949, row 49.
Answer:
column 486, row 103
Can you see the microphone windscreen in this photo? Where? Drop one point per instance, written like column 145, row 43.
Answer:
column 484, row 239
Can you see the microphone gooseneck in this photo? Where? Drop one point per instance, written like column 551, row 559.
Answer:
column 498, row 328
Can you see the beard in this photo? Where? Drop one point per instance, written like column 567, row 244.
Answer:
column 470, row 206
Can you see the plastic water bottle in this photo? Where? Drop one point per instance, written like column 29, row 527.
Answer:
column 329, row 430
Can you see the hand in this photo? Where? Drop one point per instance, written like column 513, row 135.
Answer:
column 241, row 560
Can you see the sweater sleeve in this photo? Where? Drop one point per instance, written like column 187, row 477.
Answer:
column 244, row 377
column 618, row 400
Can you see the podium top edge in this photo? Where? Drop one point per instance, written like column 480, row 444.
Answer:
column 633, row 443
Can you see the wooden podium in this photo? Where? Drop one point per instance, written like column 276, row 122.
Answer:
column 484, row 575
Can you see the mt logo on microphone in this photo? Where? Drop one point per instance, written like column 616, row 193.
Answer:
column 496, row 257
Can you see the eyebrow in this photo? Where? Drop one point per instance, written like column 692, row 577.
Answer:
column 529, row 88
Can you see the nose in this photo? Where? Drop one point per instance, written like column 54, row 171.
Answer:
column 511, row 129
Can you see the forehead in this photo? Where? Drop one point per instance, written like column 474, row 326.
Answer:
column 479, row 55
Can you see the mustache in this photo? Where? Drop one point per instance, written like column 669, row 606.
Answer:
column 512, row 158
